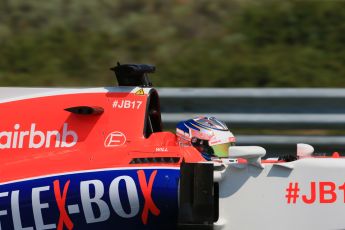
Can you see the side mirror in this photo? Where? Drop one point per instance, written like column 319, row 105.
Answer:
column 304, row 150
column 252, row 154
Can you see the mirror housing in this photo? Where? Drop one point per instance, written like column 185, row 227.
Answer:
column 304, row 150
column 252, row 154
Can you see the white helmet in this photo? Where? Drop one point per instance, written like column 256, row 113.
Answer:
column 207, row 134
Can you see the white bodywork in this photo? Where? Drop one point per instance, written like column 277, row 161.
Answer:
column 9, row 94
column 254, row 197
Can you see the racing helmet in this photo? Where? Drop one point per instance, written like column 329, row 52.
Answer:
column 209, row 136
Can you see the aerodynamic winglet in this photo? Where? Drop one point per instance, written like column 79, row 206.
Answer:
column 86, row 110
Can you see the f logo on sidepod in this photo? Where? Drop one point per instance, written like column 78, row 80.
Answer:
column 115, row 139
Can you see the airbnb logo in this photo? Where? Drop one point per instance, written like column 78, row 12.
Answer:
column 115, row 139
column 34, row 138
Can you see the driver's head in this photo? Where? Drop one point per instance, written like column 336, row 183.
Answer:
column 209, row 136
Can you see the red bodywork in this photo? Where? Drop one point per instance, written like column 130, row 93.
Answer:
column 128, row 133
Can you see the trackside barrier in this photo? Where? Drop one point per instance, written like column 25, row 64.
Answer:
column 284, row 108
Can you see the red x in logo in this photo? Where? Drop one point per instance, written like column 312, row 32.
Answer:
column 146, row 189
column 61, row 203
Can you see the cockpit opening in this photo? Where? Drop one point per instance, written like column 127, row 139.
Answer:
column 153, row 120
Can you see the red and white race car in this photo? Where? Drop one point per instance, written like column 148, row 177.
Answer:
column 99, row 158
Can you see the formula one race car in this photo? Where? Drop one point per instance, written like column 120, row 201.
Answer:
column 99, row 158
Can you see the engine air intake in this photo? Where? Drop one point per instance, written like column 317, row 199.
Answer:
column 133, row 74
